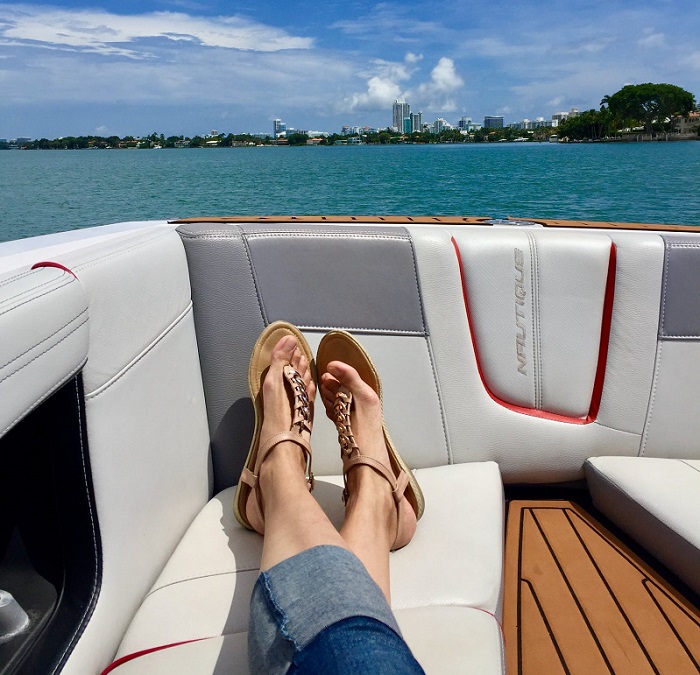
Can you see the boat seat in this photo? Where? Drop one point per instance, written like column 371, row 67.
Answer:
column 37, row 358
column 462, row 640
column 657, row 502
column 446, row 586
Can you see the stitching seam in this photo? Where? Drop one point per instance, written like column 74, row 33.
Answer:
column 645, row 433
column 203, row 575
column 15, row 277
column 48, row 337
column 448, row 445
column 48, row 349
column 366, row 329
column 89, row 610
column 667, row 266
column 254, row 277
column 44, row 396
column 117, row 376
column 690, row 466
column 69, row 280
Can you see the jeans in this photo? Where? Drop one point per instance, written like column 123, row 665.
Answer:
column 321, row 612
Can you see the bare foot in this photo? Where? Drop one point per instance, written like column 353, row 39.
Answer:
column 369, row 493
column 278, row 402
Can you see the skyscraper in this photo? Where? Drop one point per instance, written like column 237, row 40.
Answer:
column 493, row 122
column 416, row 121
column 279, row 128
column 401, row 111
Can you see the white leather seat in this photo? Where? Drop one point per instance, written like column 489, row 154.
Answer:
column 657, row 502
column 453, row 564
column 461, row 641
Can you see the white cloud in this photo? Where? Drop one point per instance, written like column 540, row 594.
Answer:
column 444, row 81
column 383, row 86
column 652, row 40
column 381, row 93
column 556, row 101
column 115, row 34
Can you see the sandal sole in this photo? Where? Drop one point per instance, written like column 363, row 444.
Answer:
column 339, row 345
column 259, row 364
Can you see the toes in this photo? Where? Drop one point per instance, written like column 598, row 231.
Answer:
column 349, row 377
column 283, row 351
column 329, row 388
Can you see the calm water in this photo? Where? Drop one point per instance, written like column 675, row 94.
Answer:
column 44, row 191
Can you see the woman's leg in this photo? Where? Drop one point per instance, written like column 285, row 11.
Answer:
column 370, row 523
column 294, row 521
column 314, row 602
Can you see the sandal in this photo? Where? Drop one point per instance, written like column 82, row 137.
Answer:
column 410, row 504
column 247, row 505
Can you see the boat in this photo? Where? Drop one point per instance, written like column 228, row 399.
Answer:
column 541, row 378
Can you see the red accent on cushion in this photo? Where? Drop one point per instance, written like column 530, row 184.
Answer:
column 130, row 657
column 49, row 263
column 597, row 393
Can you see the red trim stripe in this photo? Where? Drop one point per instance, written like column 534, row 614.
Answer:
column 130, row 657
column 50, row 263
column 599, row 381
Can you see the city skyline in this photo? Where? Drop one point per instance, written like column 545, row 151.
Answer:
column 122, row 66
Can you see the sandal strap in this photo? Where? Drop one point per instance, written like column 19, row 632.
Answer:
column 398, row 483
column 251, row 477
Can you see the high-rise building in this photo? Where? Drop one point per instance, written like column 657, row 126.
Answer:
column 493, row 122
column 279, row 128
column 440, row 125
column 416, row 122
column 401, row 110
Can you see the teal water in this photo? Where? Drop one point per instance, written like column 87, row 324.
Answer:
column 50, row 191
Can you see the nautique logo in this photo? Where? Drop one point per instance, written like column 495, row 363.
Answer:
column 520, row 294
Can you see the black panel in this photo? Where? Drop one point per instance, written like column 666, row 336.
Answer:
column 50, row 554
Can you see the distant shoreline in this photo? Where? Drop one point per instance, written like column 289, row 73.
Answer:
column 674, row 139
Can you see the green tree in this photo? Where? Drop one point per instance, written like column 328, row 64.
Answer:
column 588, row 125
column 648, row 103
column 297, row 139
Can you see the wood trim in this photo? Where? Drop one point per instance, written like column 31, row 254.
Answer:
column 438, row 220
column 604, row 224
column 389, row 220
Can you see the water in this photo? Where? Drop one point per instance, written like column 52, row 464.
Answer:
column 50, row 191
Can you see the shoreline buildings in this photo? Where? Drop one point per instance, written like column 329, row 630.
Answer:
column 403, row 120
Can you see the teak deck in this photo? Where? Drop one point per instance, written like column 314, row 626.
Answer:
column 577, row 601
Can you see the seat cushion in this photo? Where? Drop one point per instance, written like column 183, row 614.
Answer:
column 455, row 560
column 657, row 502
column 444, row 640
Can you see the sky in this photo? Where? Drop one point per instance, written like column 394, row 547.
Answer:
column 118, row 67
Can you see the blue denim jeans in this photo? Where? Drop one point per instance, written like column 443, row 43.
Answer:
column 321, row 612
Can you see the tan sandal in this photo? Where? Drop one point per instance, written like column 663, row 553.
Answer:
column 410, row 503
column 247, row 504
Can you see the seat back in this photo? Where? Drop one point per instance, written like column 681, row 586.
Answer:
column 437, row 308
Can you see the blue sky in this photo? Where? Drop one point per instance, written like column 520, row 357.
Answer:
column 190, row 66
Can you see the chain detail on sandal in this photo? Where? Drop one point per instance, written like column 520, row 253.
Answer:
column 248, row 507
column 352, row 457
column 348, row 446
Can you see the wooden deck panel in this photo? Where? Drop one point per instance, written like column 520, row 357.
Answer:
column 577, row 601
